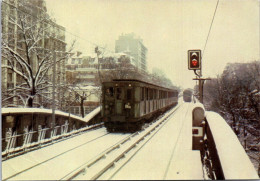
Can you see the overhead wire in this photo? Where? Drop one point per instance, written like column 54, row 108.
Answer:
column 210, row 28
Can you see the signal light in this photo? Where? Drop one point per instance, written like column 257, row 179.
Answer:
column 194, row 59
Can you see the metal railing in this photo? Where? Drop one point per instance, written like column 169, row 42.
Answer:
column 14, row 143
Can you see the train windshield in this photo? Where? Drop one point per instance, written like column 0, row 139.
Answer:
column 119, row 93
column 129, row 94
column 109, row 91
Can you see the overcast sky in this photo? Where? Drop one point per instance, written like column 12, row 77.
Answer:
column 168, row 28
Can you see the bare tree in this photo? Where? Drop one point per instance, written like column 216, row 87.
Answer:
column 236, row 96
column 29, row 52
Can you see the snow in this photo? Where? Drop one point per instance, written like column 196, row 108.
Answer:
column 168, row 155
column 49, row 111
column 92, row 114
column 89, row 87
column 55, row 161
column 234, row 160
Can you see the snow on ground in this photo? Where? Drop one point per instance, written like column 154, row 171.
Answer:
column 168, row 154
column 233, row 158
column 54, row 169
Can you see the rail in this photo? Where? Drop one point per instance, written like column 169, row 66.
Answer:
column 107, row 160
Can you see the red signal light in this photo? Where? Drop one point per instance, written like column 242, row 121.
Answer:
column 194, row 62
column 194, row 59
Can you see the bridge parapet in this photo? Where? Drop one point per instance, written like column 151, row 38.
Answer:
column 24, row 129
column 228, row 158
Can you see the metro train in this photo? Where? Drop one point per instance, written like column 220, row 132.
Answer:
column 128, row 103
column 187, row 95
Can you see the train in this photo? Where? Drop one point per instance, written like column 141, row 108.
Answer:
column 187, row 95
column 128, row 103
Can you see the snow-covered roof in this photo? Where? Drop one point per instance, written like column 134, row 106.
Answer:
column 92, row 114
column 88, row 69
column 233, row 158
column 48, row 111
column 36, row 110
column 89, row 87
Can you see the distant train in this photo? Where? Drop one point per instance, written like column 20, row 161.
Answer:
column 187, row 95
column 127, row 103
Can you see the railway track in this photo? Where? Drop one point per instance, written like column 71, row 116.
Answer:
column 105, row 164
column 51, row 141
column 30, row 168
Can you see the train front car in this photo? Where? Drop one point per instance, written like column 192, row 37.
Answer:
column 118, row 105
column 126, row 104
column 187, row 95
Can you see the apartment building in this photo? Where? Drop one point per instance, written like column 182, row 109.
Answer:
column 133, row 46
column 17, row 15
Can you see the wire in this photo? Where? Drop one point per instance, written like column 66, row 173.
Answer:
column 95, row 44
column 210, row 29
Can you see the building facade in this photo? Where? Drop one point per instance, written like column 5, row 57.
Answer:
column 85, row 70
column 133, row 46
column 18, row 15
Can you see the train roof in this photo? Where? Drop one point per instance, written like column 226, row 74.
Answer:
column 140, row 81
column 188, row 90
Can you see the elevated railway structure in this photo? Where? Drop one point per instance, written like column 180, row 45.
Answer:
column 186, row 142
column 24, row 129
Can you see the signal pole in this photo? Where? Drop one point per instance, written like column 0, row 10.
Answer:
column 201, row 83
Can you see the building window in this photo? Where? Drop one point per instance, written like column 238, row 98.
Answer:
column 10, row 77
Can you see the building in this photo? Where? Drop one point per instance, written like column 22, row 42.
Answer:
column 84, row 70
column 50, row 37
column 133, row 46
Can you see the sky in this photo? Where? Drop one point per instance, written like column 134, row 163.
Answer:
column 169, row 28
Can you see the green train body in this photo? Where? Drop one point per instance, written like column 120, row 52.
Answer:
column 126, row 104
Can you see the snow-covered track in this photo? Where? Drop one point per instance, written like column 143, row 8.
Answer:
column 109, row 161
column 53, row 157
column 46, row 142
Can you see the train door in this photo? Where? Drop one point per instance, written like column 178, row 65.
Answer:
column 119, row 100
column 129, row 102
column 142, row 102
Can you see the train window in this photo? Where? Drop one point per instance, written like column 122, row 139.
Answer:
column 129, row 94
column 146, row 93
column 142, row 94
column 119, row 94
column 110, row 91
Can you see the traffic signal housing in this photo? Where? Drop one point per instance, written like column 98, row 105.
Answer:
column 194, row 59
